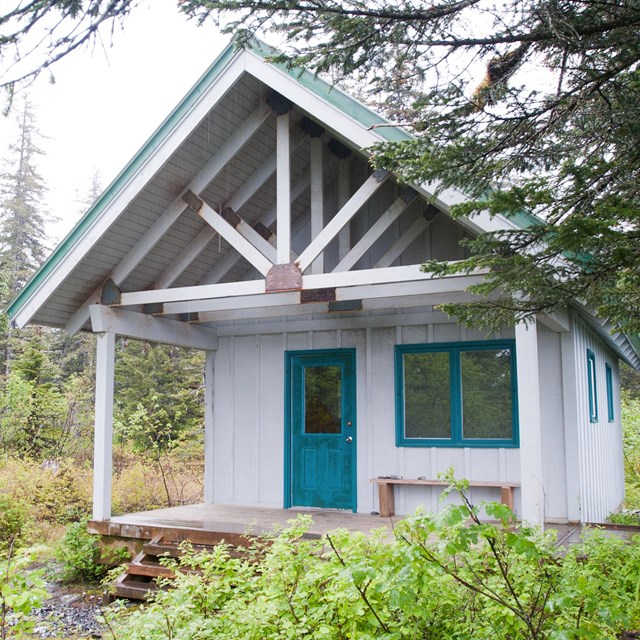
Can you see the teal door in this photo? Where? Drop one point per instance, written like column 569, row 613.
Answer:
column 321, row 429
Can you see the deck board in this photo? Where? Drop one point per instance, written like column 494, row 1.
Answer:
column 210, row 523
column 197, row 521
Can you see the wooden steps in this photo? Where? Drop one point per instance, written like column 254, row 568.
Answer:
column 139, row 577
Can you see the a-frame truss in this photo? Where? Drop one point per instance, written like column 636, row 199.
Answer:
column 286, row 280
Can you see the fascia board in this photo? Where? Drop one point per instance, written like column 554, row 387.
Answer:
column 209, row 89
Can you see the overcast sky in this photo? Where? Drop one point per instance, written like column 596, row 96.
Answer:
column 105, row 103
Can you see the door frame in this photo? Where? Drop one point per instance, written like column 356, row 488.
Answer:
column 288, row 422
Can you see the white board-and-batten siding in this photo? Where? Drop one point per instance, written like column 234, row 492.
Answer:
column 599, row 465
column 249, row 419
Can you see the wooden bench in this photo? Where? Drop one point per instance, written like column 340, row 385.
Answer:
column 387, row 500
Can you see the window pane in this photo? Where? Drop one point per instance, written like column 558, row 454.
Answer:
column 610, row 411
column 486, row 394
column 593, row 391
column 323, row 399
column 427, row 411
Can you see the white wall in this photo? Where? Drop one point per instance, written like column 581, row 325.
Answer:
column 248, row 442
column 552, row 424
column 601, row 468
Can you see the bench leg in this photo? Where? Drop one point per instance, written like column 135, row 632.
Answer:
column 506, row 496
column 386, row 500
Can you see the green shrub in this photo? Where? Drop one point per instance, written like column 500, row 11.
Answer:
column 78, row 553
column 631, row 448
column 626, row 517
column 444, row 576
column 21, row 591
column 12, row 521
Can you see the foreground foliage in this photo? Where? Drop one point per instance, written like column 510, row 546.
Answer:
column 631, row 449
column 443, row 576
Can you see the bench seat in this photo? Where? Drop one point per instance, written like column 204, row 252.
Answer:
column 386, row 486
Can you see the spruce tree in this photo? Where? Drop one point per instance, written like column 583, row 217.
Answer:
column 23, row 219
column 23, row 216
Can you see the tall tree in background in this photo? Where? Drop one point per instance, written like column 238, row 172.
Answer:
column 23, row 217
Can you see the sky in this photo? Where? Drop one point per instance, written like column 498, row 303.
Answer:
column 106, row 101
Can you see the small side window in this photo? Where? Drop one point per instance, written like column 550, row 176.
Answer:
column 591, row 381
column 609, row 378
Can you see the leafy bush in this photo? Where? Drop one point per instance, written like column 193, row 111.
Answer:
column 626, row 517
column 79, row 555
column 631, row 448
column 21, row 591
column 12, row 521
column 443, row 576
column 50, row 494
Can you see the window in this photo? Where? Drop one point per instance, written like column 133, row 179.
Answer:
column 593, row 390
column 609, row 379
column 456, row 395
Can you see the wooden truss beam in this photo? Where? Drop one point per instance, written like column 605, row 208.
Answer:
column 229, row 233
column 145, row 327
column 365, row 283
column 153, row 235
column 283, row 188
column 288, row 305
column 398, row 207
column 403, row 242
column 332, row 228
column 235, row 203
column 231, row 258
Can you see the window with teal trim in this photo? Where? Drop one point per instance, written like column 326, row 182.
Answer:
column 609, row 379
column 593, row 389
column 456, row 394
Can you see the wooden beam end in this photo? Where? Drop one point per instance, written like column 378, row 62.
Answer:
column 193, row 200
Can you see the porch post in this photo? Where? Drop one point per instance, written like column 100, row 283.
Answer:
column 103, row 435
column 208, row 426
column 532, row 487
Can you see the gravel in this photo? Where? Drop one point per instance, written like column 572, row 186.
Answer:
column 68, row 614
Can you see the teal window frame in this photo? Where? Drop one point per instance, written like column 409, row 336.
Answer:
column 592, row 383
column 611, row 416
column 456, row 439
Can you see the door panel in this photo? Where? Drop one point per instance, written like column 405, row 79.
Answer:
column 322, row 429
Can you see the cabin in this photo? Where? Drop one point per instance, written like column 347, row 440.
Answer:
column 251, row 226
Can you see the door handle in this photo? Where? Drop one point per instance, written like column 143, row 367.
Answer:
column 349, row 440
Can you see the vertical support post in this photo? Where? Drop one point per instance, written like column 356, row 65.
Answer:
column 283, row 189
column 531, row 469
column 209, row 372
column 344, row 237
column 317, row 199
column 103, row 436
column 571, row 424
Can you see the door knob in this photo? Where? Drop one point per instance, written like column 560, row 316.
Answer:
column 349, row 439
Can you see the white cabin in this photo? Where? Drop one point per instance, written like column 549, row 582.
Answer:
column 251, row 226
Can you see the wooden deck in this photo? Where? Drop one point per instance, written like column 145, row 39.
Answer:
column 209, row 524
